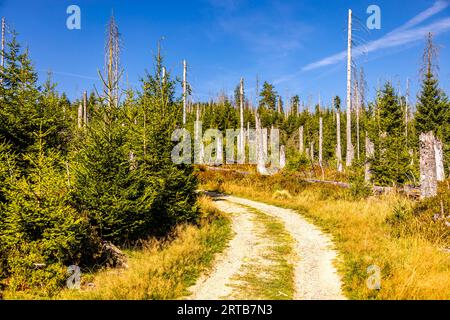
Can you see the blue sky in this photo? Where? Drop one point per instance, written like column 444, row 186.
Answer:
column 297, row 45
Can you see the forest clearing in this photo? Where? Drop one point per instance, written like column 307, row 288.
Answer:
column 144, row 191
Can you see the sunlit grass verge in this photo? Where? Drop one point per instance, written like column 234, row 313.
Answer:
column 414, row 264
column 274, row 279
column 161, row 269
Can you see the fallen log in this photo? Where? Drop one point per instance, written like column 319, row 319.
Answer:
column 410, row 191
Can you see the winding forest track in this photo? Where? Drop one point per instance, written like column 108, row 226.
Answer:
column 315, row 277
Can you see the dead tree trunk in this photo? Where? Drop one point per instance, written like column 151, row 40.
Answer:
column 439, row 155
column 184, row 91
column 301, row 146
column 338, row 138
column 407, row 110
column 282, row 157
column 3, row 43
column 80, row 116
column 241, row 139
column 265, row 148
column 198, row 142
column 275, row 152
column 320, row 142
column 260, row 155
column 357, row 102
column 112, row 64
column 350, row 150
column 428, row 173
column 85, row 113
column 219, row 151
column 370, row 151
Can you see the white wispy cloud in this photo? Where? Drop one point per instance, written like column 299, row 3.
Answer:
column 70, row 74
column 400, row 36
column 437, row 7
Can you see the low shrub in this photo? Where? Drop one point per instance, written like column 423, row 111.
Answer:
column 359, row 188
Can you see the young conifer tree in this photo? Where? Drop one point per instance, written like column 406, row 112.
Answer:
column 19, row 95
column 40, row 226
column 433, row 107
column 161, row 115
column 24, row 109
column 125, row 178
column 391, row 163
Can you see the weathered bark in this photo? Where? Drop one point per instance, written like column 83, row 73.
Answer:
column 370, row 151
column 241, row 138
column 265, row 149
column 439, row 155
column 274, row 149
column 252, row 146
column 301, row 146
column 219, row 151
column 338, row 138
column 282, row 157
column 198, row 141
column 164, row 75
column 407, row 110
column 112, row 65
column 320, row 141
column 274, row 158
column 80, row 115
column 428, row 172
column 85, row 112
column 184, row 91
column 3, row 44
column 357, row 107
column 279, row 104
column 260, row 156
column 350, row 150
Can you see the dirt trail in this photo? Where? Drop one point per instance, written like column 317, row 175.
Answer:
column 219, row 284
column 315, row 276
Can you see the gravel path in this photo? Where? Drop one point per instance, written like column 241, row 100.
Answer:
column 219, row 283
column 315, row 276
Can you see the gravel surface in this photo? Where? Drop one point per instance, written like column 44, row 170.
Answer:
column 315, row 276
column 218, row 284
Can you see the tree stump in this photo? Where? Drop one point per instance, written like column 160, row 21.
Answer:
column 439, row 155
column 282, row 157
column 428, row 173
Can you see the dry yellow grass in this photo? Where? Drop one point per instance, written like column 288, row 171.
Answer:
column 412, row 267
column 162, row 270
